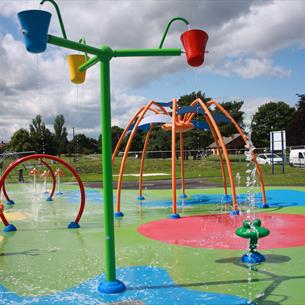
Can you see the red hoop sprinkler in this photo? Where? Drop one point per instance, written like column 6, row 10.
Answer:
column 73, row 224
column 8, row 227
column 5, row 222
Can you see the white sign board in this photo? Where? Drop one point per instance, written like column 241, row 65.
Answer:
column 278, row 137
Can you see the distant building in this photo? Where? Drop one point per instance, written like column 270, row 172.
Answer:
column 234, row 142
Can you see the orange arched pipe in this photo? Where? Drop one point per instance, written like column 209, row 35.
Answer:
column 142, row 160
column 186, row 116
column 224, row 149
column 130, row 123
column 122, row 167
column 190, row 117
column 174, row 192
column 124, row 134
column 246, row 140
column 159, row 106
column 219, row 154
column 182, row 163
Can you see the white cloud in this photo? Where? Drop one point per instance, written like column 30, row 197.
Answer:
column 250, row 68
column 251, row 104
column 243, row 37
column 244, row 45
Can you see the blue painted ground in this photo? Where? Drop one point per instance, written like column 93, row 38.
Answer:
column 285, row 198
column 275, row 198
column 92, row 196
column 150, row 285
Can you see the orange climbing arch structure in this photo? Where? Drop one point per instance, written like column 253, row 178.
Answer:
column 180, row 120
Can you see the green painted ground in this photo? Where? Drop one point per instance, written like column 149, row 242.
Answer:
column 44, row 256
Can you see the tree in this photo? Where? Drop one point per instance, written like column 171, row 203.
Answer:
column 186, row 100
column 37, row 130
column 81, row 144
column 138, row 141
column 42, row 138
column 20, row 141
column 295, row 131
column 271, row 116
column 116, row 133
column 159, row 140
column 61, row 134
column 234, row 108
column 99, row 143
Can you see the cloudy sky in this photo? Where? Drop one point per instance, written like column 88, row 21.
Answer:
column 256, row 54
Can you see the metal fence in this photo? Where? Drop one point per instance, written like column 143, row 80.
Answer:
column 203, row 153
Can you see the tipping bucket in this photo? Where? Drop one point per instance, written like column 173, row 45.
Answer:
column 35, row 26
column 194, row 43
column 74, row 61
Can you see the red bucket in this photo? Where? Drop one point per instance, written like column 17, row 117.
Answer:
column 194, row 43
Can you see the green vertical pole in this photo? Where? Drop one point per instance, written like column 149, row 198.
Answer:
column 112, row 285
column 107, row 170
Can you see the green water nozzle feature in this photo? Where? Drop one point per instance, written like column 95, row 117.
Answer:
column 253, row 231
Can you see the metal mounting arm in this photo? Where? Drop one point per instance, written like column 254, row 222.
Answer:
column 83, row 41
column 58, row 15
column 168, row 26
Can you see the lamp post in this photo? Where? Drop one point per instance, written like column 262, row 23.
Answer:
column 103, row 55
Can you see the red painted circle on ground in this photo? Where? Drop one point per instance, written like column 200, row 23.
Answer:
column 218, row 231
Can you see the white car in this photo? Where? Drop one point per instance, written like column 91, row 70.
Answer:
column 267, row 159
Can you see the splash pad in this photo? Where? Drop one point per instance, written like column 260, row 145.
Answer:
column 67, row 284
column 163, row 269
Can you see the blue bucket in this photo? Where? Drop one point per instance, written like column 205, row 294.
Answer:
column 35, row 26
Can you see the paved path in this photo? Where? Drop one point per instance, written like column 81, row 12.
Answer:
column 161, row 184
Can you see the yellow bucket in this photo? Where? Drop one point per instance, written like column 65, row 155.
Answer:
column 74, row 61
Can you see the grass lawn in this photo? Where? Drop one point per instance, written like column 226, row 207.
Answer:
column 90, row 169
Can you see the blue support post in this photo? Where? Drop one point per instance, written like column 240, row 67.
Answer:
column 283, row 153
column 272, row 151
